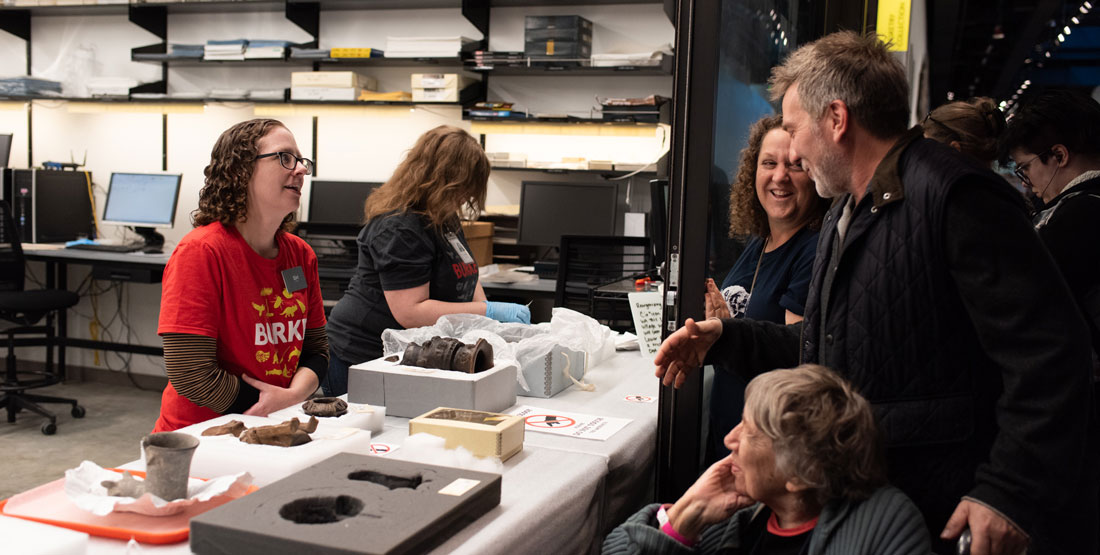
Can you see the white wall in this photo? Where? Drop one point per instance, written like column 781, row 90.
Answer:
column 356, row 143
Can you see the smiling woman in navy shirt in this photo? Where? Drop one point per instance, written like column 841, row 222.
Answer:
column 414, row 262
column 774, row 203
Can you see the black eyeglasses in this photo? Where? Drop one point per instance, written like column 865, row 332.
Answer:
column 290, row 161
column 1021, row 169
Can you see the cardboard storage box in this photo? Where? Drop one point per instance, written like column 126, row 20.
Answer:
column 333, row 79
column 546, row 376
column 485, row 434
column 479, row 235
column 439, row 87
column 410, row 391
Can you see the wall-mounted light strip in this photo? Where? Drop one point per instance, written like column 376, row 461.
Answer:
column 13, row 105
column 371, row 110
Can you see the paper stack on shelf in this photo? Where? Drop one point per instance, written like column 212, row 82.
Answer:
column 298, row 53
column 187, row 95
column 356, row 53
column 426, row 47
column 225, row 49
column 566, row 163
column 267, row 94
column 493, row 110
column 487, row 59
column 266, row 49
column 641, row 59
column 29, row 86
column 392, row 96
column 177, row 50
column 228, row 94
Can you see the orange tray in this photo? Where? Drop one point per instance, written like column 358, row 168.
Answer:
column 48, row 504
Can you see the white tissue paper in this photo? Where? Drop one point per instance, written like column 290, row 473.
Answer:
column 83, row 485
column 429, row 449
column 514, row 343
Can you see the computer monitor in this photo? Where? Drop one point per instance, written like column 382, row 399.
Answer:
column 5, row 149
column 549, row 210
column 336, row 206
column 62, row 208
column 142, row 199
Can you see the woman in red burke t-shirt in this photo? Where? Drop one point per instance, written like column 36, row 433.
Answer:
column 241, row 313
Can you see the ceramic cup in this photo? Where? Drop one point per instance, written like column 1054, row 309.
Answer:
column 168, row 463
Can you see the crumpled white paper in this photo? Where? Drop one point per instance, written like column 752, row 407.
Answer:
column 522, row 343
column 430, row 449
column 83, row 485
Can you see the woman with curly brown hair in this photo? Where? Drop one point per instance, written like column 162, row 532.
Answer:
column 241, row 314
column 414, row 262
column 774, row 203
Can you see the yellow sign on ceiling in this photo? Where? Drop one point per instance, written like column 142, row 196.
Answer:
column 892, row 24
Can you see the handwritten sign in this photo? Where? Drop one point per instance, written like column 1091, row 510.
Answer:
column 646, row 309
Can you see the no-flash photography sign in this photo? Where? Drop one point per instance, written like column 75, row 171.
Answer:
column 572, row 424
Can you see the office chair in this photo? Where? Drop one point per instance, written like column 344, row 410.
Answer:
column 588, row 262
column 25, row 309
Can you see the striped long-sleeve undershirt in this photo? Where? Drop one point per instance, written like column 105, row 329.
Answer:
column 191, row 363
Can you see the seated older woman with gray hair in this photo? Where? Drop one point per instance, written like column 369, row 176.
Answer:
column 805, row 475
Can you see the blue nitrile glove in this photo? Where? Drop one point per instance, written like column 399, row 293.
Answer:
column 508, row 312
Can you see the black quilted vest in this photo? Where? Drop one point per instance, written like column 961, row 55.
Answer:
column 896, row 327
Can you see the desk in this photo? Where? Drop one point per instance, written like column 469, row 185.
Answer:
column 138, row 267
column 537, row 289
column 559, row 494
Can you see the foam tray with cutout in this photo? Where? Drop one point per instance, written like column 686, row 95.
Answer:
column 350, row 504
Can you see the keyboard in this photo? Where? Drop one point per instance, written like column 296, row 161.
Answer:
column 108, row 247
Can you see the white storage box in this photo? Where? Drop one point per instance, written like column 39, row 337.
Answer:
column 332, row 79
column 225, row 454
column 409, row 391
column 438, row 87
column 549, row 375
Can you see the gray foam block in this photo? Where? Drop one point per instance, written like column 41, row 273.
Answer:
column 349, row 504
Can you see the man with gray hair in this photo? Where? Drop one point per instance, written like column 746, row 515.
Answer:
column 934, row 297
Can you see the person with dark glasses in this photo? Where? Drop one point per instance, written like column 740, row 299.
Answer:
column 1054, row 140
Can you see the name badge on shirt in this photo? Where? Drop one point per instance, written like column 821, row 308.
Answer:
column 459, row 247
column 294, row 279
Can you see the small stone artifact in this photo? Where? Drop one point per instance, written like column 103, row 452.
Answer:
column 450, row 354
column 287, row 434
column 168, row 463
column 233, row 428
column 325, row 407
